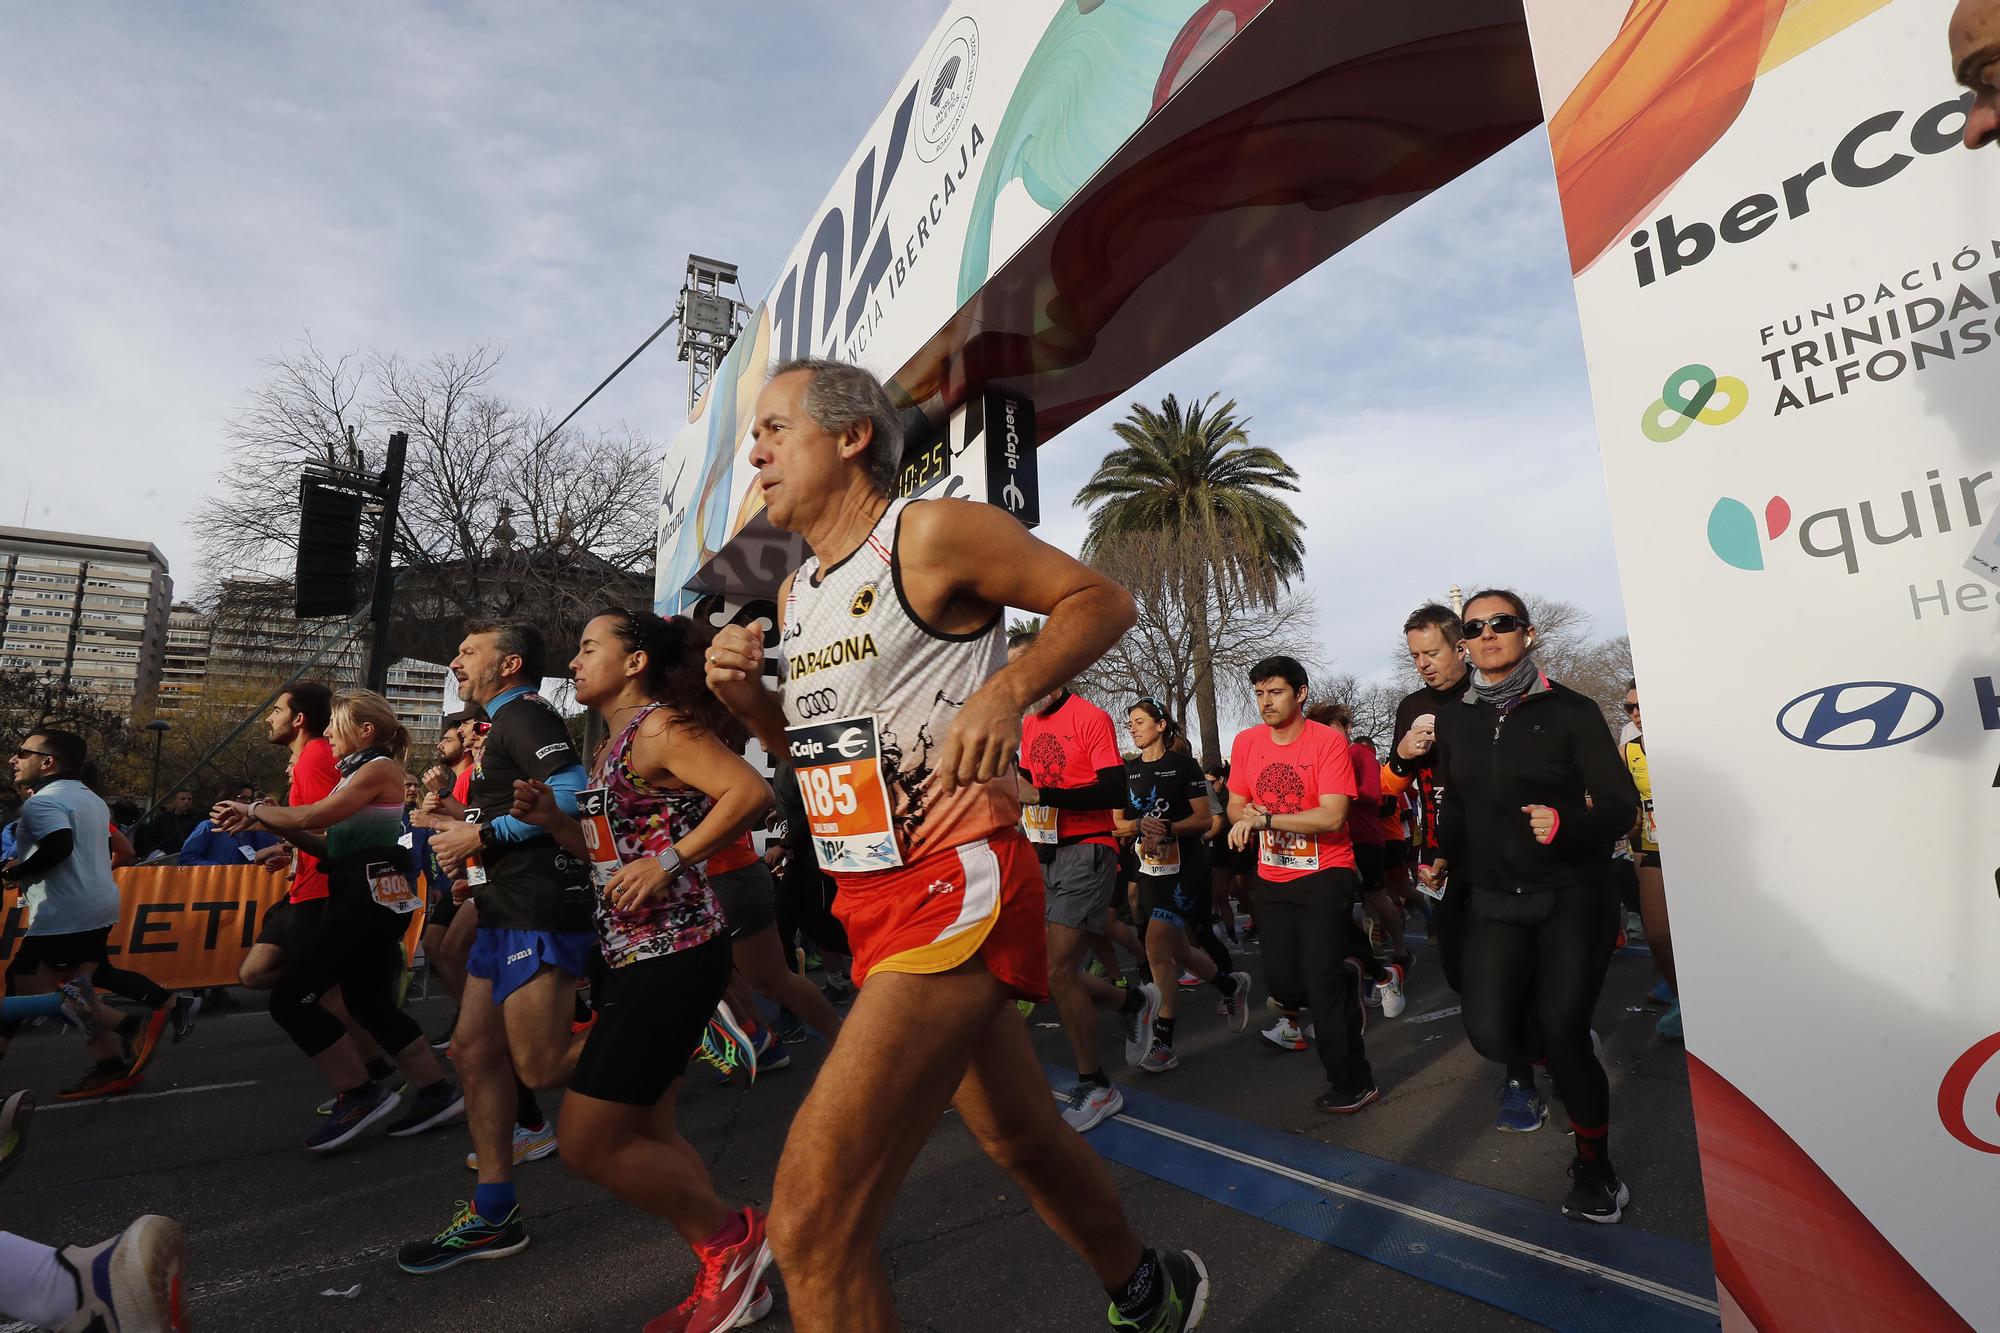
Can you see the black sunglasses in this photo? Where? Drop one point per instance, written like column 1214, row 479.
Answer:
column 1498, row 624
column 24, row 752
column 1631, row 708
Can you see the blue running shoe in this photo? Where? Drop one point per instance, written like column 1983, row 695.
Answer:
column 352, row 1112
column 771, row 1052
column 737, row 1034
column 469, row 1236
column 1662, row 994
column 1522, row 1111
column 1669, row 1025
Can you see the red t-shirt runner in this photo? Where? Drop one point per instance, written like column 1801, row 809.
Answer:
column 1289, row 779
column 1067, row 748
column 313, row 777
column 1364, row 813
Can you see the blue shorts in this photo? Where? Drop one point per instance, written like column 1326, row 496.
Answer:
column 511, row 958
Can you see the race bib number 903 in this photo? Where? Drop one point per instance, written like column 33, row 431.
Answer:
column 846, row 794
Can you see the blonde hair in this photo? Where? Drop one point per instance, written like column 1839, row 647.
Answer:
column 354, row 709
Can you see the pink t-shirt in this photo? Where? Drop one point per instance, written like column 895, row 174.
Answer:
column 314, row 776
column 1288, row 779
column 1364, row 813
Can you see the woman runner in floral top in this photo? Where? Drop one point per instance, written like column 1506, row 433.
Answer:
column 673, row 792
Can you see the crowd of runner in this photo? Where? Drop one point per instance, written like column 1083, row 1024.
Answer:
column 960, row 837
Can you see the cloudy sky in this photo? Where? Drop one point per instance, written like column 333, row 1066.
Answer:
column 193, row 189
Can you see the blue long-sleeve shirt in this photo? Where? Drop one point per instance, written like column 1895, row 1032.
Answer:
column 564, row 782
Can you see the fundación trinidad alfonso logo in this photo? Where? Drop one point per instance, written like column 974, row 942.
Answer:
column 1693, row 393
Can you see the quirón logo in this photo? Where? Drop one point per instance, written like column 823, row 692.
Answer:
column 1845, row 532
column 1733, row 535
column 1693, row 393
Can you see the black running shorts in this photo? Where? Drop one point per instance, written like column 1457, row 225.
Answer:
column 748, row 897
column 61, row 953
column 650, row 1019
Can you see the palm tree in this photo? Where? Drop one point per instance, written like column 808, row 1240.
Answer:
column 1193, row 474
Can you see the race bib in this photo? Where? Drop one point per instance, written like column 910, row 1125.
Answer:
column 1288, row 851
column 1649, row 824
column 390, row 887
column 475, row 868
column 593, row 812
column 1167, row 861
column 846, row 794
column 1039, row 822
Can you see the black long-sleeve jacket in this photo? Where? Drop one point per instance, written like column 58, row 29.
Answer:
column 1551, row 749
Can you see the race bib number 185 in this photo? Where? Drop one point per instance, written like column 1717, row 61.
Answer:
column 846, row 794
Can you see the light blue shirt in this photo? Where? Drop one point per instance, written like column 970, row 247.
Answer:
column 79, row 893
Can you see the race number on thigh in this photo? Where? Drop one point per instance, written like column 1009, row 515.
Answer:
column 846, row 794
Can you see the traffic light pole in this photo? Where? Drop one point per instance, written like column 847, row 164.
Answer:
column 385, row 582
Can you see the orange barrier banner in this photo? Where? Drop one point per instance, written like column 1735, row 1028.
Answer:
column 187, row 926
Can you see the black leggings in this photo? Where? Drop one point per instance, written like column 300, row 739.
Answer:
column 1303, row 924
column 805, row 903
column 356, row 946
column 1537, row 960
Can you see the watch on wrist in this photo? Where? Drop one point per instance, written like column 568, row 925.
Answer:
column 1267, row 819
column 486, row 837
column 670, row 861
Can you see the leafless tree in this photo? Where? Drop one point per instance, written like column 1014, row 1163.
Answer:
column 1157, row 656
column 1566, row 651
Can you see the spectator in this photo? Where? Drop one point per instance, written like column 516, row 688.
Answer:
column 210, row 846
column 167, row 828
column 1975, row 59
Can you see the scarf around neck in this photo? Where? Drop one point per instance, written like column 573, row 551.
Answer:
column 348, row 765
column 1509, row 689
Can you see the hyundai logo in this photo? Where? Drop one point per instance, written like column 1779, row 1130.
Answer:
column 1861, row 715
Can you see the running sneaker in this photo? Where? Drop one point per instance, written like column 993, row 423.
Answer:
column 427, row 1108
column 812, row 962
column 1160, row 1058
column 469, row 1236
column 1025, row 1008
column 1335, row 1102
column 1522, row 1110
column 79, row 1009
column 730, row 1277
column 1189, row 981
column 1595, row 1193
column 133, row 1282
column 353, row 1112
column 1088, row 1105
column 151, row 1029
column 771, row 1052
column 394, row 1084
column 1390, row 988
column 1236, row 1006
column 102, row 1079
column 1285, row 1035
column 675, row 1320
column 1662, row 994
column 186, row 1006
column 1669, row 1025
column 1139, row 1023
column 838, row 989
column 530, row 1145
column 1094, row 967
column 717, row 1053
column 737, row 1032
column 1181, row 1305
column 15, row 1113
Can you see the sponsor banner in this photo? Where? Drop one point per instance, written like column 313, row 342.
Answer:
column 190, row 926
column 1788, row 276
column 987, row 453
column 1008, row 110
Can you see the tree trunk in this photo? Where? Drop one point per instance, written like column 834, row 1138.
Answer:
column 1204, row 666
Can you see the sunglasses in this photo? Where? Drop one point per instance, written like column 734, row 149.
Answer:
column 1631, row 708
column 24, row 752
column 1498, row 624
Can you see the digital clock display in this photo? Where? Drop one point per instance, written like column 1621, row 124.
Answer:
column 926, row 470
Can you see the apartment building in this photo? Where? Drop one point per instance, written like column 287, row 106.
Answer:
column 93, row 610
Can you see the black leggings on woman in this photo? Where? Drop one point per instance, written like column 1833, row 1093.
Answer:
column 356, row 946
column 1537, row 960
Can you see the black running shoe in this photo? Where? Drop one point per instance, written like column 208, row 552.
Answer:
column 1595, row 1193
column 105, row 1078
column 428, row 1108
column 1181, row 1305
column 352, row 1113
column 469, row 1236
column 1335, row 1102
column 186, row 1005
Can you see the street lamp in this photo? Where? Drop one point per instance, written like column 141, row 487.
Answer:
column 159, row 727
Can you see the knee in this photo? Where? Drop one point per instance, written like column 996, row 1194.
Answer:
column 256, row 976
column 1488, row 1037
column 591, row 1156
column 811, row 1227
column 540, row 1069
column 474, row 1047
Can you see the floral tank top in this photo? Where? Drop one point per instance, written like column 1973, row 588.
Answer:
column 646, row 821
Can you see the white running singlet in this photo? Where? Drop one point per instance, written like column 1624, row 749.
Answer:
column 869, row 691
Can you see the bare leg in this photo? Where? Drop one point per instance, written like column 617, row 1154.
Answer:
column 1161, row 937
column 761, row 961
column 537, row 1019
column 1388, row 916
column 621, row 1148
column 1075, row 1000
column 1653, row 914
column 479, row 1050
column 342, row 1065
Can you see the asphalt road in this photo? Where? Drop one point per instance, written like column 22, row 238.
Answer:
column 213, row 1139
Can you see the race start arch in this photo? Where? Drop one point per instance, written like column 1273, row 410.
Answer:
column 1788, row 277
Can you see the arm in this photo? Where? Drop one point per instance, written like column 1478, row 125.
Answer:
column 51, row 850
column 370, row 786
column 1613, row 808
column 962, row 565
column 736, row 676
column 122, row 853
column 1106, row 793
column 565, row 783
column 698, row 759
column 1394, row 783
column 1196, row 822
column 1329, row 816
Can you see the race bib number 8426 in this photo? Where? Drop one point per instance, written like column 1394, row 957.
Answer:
column 846, row 794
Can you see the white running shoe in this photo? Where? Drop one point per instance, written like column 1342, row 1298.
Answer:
column 1391, row 991
column 1285, row 1035
column 530, row 1145
column 133, row 1282
column 1236, row 1007
column 1087, row 1105
column 1160, row 1058
column 1139, row 1026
